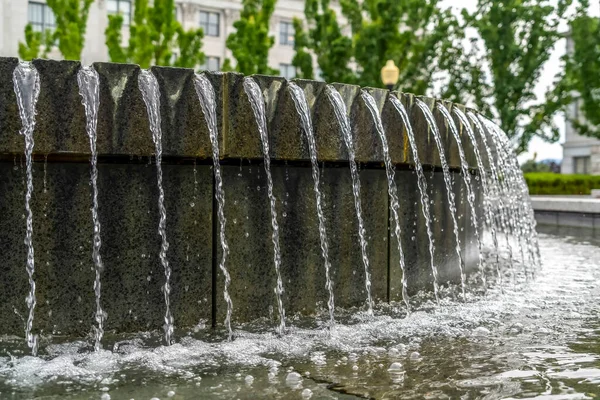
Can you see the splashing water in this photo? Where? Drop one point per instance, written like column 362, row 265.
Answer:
column 302, row 108
column 150, row 92
column 206, row 95
column 89, row 84
column 340, row 112
column 392, row 189
column 27, row 89
column 422, row 184
column 258, row 108
column 467, row 179
column 448, row 181
column 488, row 215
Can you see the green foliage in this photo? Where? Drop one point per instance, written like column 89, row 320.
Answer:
column 518, row 37
column 418, row 35
column 154, row 36
column 69, row 35
column 71, row 23
column 324, row 39
column 250, row 43
column 302, row 59
column 37, row 44
column 579, row 80
column 548, row 183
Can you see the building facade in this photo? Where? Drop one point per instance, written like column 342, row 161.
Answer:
column 581, row 154
column 216, row 17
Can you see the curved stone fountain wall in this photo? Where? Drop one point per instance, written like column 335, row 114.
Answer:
column 133, row 275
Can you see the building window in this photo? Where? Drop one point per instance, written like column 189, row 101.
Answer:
column 41, row 17
column 582, row 164
column 288, row 71
column 211, row 64
column 122, row 7
column 286, row 33
column 209, row 22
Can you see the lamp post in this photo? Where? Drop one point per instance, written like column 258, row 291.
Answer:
column 390, row 74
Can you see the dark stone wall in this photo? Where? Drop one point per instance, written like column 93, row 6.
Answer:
column 128, row 202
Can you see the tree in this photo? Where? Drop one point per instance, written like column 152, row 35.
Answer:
column 69, row 34
column 250, row 43
column 154, row 36
column 518, row 36
column 37, row 44
column 325, row 39
column 417, row 34
column 579, row 81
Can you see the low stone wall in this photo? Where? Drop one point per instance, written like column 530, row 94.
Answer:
column 573, row 211
column 133, row 275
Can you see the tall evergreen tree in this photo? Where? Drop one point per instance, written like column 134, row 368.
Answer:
column 250, row 43
column 68, row 35
column 155, row 37
column 325, row 39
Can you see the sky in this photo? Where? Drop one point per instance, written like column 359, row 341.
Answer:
column 543, row 149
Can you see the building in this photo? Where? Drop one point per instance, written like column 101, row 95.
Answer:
column 216, row 17
column 581, row 154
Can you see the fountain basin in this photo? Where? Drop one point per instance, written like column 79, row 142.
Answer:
column 133, row 276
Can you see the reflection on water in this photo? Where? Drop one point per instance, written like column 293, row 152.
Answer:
column 537, row 340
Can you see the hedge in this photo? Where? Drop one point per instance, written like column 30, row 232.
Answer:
column 550, row 183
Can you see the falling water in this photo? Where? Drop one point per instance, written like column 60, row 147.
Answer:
column 489, row 217
column 340, row 112
column 206, row 95
column 523, row 220
column 392, row 188
column 448, row 180
column 258, row 107
column 467, row 179
column 27, row 88
column 422, row 184
column 150, row 92
column 495, row 192
column 299, row 99
column 89, row 90
column 509, row 182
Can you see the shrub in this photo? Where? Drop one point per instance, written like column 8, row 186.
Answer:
column 549, row 183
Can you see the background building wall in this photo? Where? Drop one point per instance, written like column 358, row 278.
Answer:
column 14, row 17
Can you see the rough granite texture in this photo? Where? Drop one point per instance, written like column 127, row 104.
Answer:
column 128, row 201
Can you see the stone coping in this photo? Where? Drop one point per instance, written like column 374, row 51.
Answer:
column 123, row 128
column 581, row 204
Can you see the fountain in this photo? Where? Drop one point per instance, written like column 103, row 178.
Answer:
column 271, row 238
column 337, row 196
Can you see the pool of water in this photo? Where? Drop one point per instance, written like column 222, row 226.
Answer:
column 530, row 339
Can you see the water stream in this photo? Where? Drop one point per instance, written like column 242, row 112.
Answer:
column 151, row 95
column 303, row 110
column 392, row 189
column 27, row 89
column 258, row 108
column 89, row 89
column 206, row 95
column 342, row 116
column 448, row 181
column 492, row 197
column 467, row 179
column 487, row 209
column 422, row 184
